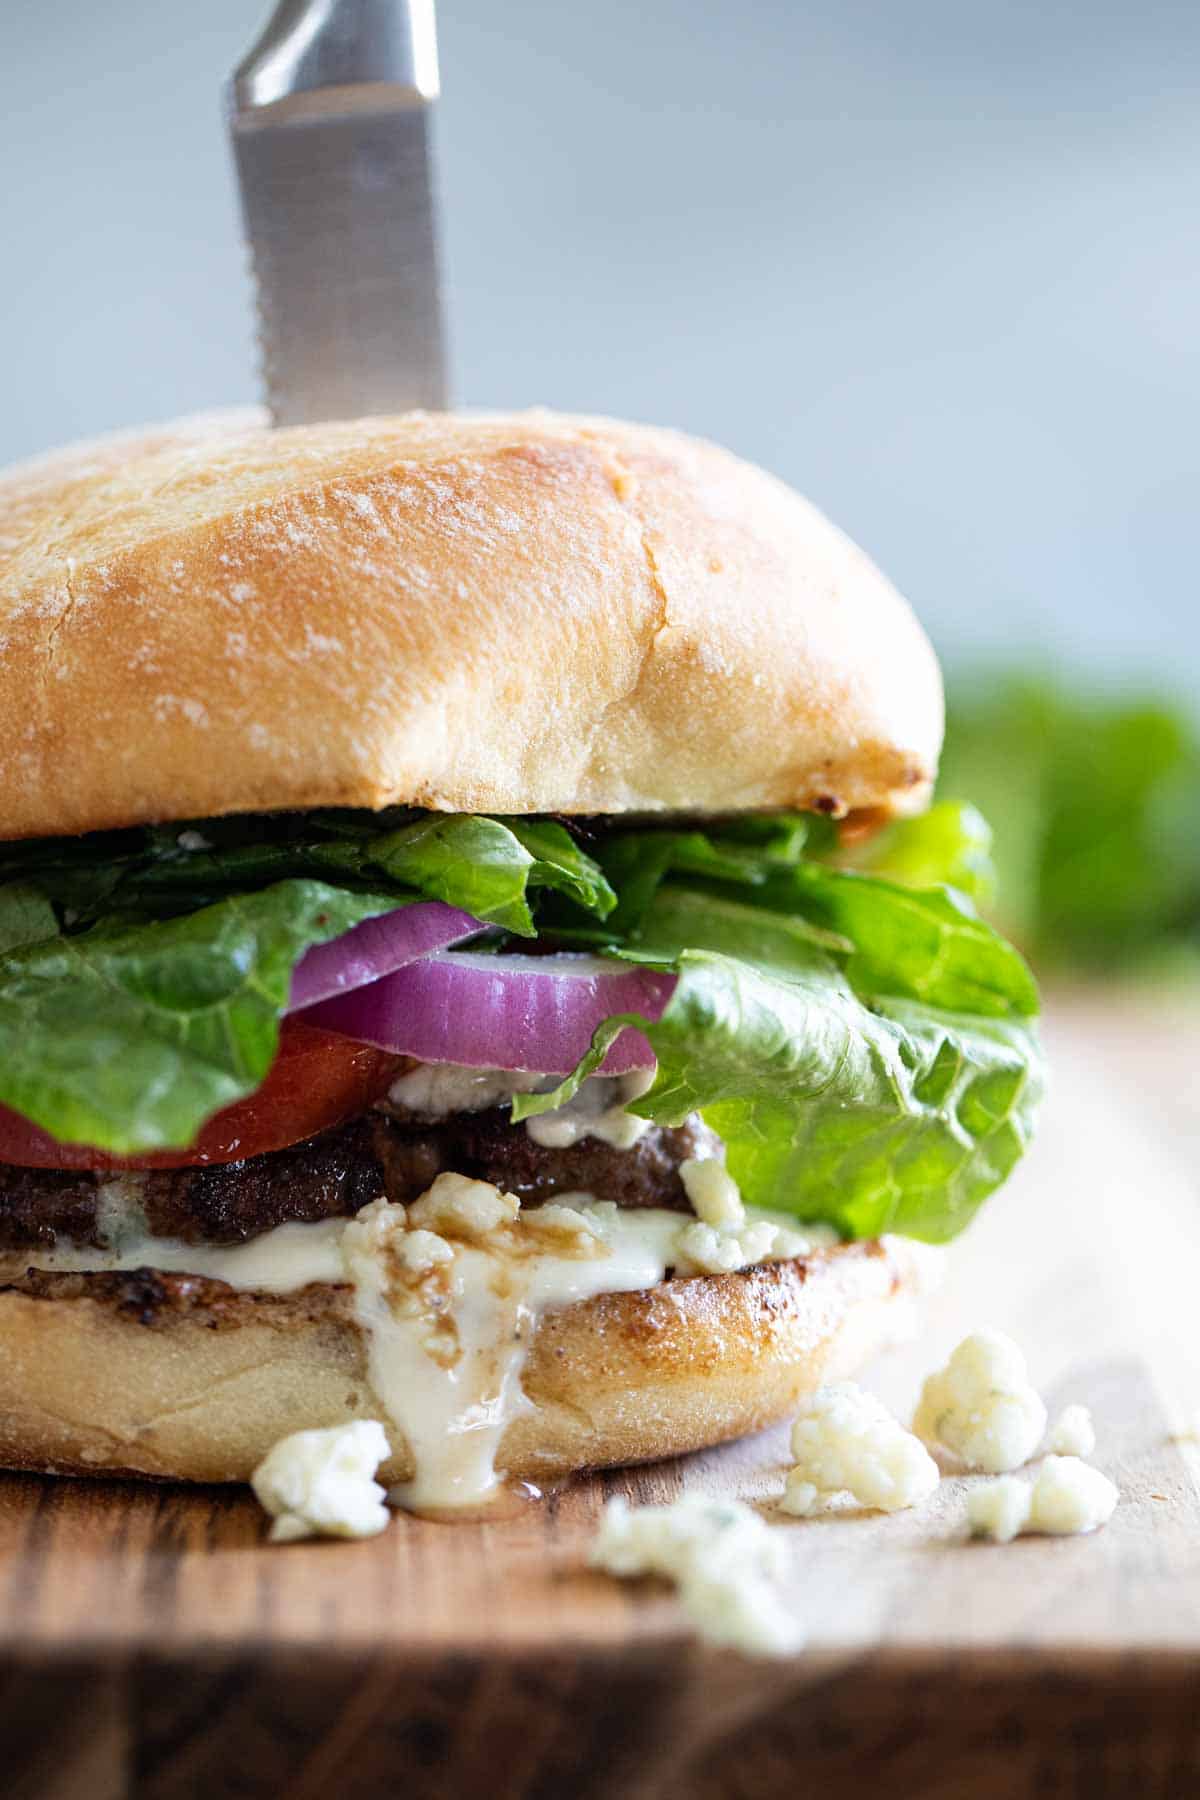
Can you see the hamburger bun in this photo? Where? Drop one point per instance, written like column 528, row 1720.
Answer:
column 175, row 1376
column 505, row 614
column 524, row 613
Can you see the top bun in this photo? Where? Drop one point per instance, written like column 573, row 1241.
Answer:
column 522, row 613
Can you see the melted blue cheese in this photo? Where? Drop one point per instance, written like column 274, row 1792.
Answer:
column 597, row 1109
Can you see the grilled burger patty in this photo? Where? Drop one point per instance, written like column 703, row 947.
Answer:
column 333, row 1175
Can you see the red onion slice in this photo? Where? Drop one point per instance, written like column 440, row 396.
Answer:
column 503, row 1012
column 376, row 948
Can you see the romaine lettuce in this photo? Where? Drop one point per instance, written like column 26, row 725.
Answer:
column 866, row 1049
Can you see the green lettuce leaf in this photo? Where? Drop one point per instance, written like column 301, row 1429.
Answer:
column 129, row 1037
column 160, row 1001
column 746, row 851
column 560, row 864
column 884, row 1118
column 950, row 845
column 26, row 916
column 485, row 866
column 884, row 1080
column 928, row 946
column 865, row 1047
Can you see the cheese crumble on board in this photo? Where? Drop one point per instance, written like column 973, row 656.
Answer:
column 982, row 1406
column 1068, row 1497
column 999, row 1509
column 724, row 1560
column 845, row 1441
column 319, row 1483
column 1072, row 1433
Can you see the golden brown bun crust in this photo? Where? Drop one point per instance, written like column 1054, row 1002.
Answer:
column 183, row 1378
column 530, row 613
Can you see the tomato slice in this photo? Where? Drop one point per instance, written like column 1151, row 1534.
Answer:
column 318, row 1079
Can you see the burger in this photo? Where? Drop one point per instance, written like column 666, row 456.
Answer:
column 471, row 953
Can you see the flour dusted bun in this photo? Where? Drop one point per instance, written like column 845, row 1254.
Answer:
column 528, row 613
column 177, row 1376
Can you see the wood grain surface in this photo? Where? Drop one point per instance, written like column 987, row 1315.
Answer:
column 151, row 1645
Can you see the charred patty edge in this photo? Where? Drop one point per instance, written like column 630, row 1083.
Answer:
column 334, row 1176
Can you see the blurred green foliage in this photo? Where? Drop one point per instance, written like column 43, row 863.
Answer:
column 1094, row 804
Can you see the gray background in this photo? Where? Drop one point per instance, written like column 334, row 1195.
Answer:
column 935, row 261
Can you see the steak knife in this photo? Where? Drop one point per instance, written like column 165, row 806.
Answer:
column 330, row 118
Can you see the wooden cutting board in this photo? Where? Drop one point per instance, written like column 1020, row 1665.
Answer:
column 152, row 1645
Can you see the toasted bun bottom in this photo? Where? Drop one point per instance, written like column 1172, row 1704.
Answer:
column 184, row 1378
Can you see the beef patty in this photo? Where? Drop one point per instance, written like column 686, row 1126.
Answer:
column 333, row 1175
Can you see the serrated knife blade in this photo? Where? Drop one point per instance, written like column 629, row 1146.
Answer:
column 330, row 117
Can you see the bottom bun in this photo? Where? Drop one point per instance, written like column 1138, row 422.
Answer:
column 184, row 1378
